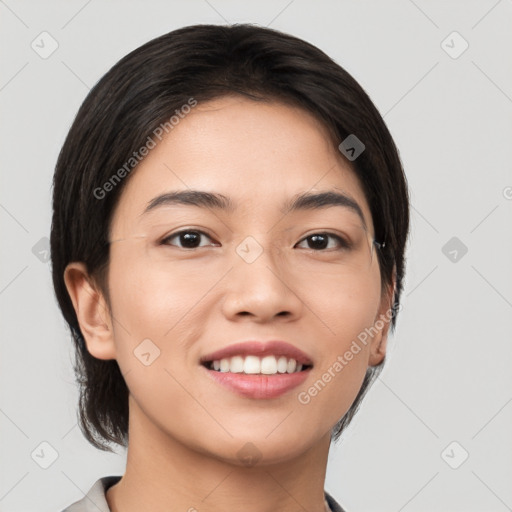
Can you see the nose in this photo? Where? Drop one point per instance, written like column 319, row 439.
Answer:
column 261, row 292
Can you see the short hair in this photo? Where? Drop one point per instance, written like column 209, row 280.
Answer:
column 140, row 93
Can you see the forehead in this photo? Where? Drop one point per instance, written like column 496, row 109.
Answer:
column 259, row 154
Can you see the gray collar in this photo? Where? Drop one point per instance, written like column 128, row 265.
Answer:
column 95, row 500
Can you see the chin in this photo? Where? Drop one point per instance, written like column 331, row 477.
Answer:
column 258, row 448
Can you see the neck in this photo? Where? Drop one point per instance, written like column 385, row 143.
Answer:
column 164, row 474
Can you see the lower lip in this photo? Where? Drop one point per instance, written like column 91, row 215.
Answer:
column 259, row 386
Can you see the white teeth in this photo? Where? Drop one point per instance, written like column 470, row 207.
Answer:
column 252, row 364
column 282, row 364
column 268, row 365
column 237, row 364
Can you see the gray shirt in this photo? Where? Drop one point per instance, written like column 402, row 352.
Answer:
column 95, row 500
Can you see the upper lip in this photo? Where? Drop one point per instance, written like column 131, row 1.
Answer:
column 260, row 349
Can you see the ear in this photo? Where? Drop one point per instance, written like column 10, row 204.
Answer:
column 381, row 325
column 91, row 311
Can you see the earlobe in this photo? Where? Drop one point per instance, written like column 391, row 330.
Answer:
column 91, row 311
column 378, row 347
column 382, row 325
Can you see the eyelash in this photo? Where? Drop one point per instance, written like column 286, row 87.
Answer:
column 343, row 243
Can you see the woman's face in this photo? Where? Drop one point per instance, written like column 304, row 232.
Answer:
column 251, row 270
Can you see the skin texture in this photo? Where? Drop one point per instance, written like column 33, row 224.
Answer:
column 185, row 431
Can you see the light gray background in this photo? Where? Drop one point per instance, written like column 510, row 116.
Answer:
column 448, row 375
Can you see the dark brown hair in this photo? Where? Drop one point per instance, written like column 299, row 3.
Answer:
column 140, row 93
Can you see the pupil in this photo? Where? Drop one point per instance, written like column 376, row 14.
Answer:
column 190, row 239
column 317, row 242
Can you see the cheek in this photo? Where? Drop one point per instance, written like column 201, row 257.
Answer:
column 166, row 303
column 345, row 311
column 344, row 306
column 150, row 296
column 155, row 312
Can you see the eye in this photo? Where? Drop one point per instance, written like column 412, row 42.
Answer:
column 187, row 239
column 321, row 241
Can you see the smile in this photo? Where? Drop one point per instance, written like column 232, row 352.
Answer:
column 254, row 365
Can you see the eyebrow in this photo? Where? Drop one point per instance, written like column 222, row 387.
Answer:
column 303, row 201
column 192, row 198
column 320, row 200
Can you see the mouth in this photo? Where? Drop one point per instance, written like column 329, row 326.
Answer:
column 254, row 357
column 258, row 370
column 255, row 365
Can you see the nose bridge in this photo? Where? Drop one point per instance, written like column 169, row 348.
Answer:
column 258, row 283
